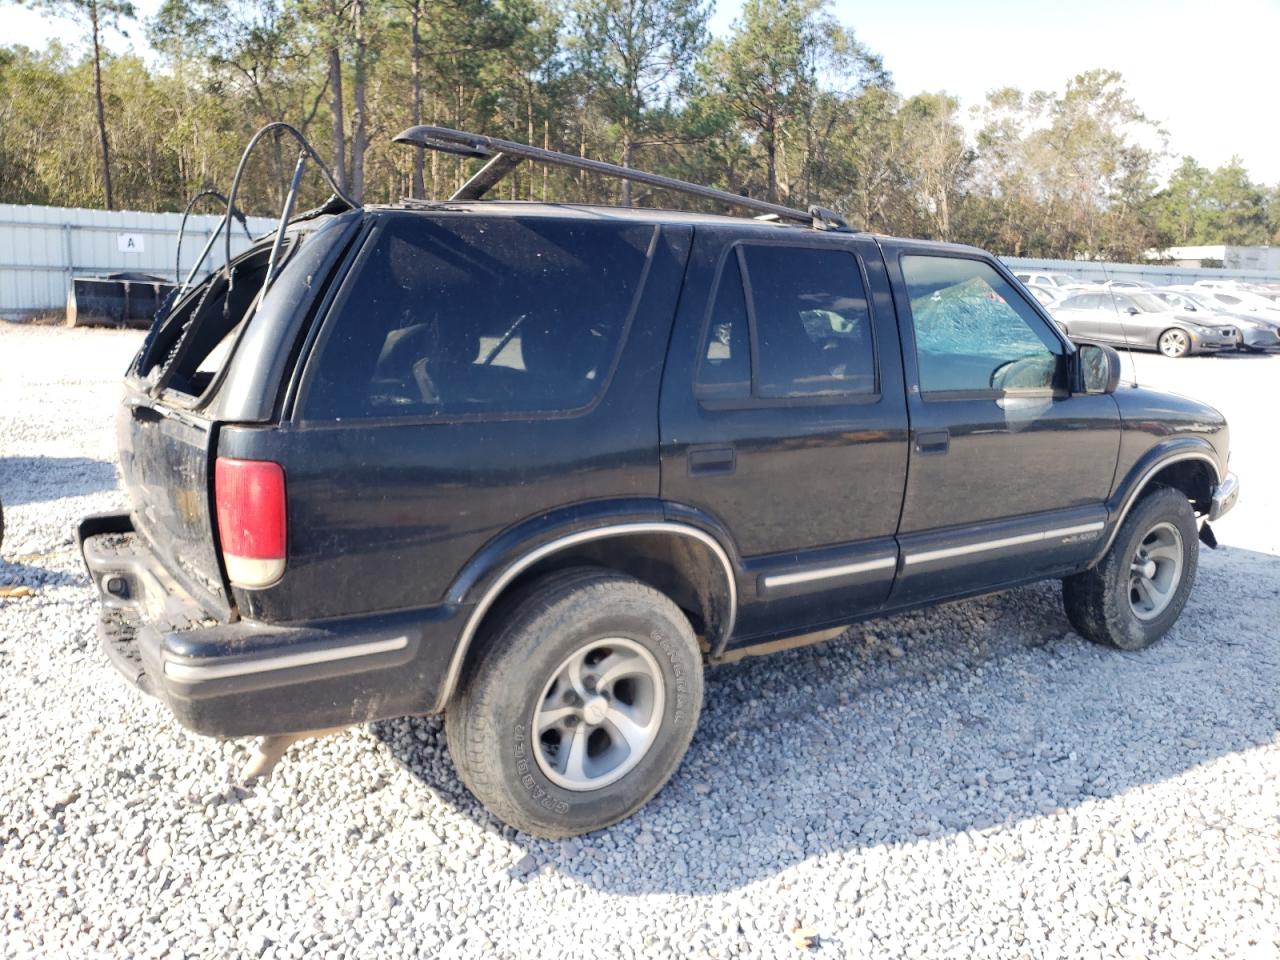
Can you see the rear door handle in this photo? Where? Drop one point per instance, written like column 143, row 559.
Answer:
column 933, row 441
column 708, row 460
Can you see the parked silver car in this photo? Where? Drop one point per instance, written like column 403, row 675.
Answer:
column 1141, row 321
column 1257, row 332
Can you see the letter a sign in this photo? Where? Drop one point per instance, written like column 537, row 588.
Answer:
column 129, row 242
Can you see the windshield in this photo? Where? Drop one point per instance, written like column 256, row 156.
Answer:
column 1252, row 300
column 1149, row 304
column 1062, row 279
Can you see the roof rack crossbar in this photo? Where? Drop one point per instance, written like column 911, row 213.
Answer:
column 487, row 177
column 505, row 155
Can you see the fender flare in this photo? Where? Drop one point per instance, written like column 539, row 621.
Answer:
column 1140, row 476
column 481, row 570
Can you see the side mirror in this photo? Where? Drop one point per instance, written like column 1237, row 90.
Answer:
column 1095, row 369
column 1132, row 311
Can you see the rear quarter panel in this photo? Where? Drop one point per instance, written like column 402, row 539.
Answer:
column 383, row 515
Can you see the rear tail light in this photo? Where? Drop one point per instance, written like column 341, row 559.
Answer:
column 251, row 519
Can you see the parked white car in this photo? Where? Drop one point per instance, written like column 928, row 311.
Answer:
column 1130, row 286
column 1060, row 281
column 1239, row 300
column 1047, row 296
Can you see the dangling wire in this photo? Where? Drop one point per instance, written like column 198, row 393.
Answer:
column 182, row 228
column 307, row 149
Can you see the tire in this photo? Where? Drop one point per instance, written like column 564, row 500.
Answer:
column 1174, row 343
column 1106, row 606
column 559, row 631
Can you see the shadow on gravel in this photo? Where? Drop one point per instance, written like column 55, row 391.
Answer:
column 18, row 573
column 40, row 479
column 967, row 716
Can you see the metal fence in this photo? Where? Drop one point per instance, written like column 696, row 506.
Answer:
column 1161, row 276
column 42, row 248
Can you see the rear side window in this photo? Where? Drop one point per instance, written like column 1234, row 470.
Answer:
column 725, row 369
column 469, row 317
column 804, row 313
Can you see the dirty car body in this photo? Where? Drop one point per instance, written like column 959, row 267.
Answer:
column 338, row 492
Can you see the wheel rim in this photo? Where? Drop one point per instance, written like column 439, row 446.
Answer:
column 1155, row 571
column 599, row 714
column 1173, row 343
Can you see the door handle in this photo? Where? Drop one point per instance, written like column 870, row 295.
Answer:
column 708, row 460
column 933, row 441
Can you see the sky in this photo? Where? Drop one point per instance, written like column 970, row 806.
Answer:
column 1206, row 71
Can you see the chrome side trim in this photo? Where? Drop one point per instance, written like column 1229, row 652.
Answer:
column 1146, row 478
column 562, row 543
column 194, row 672
column 928, row 556
column 827, row 573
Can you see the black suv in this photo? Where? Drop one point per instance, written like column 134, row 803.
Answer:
column 535, row 465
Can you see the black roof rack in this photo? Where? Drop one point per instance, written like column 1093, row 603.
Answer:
column 505, row 155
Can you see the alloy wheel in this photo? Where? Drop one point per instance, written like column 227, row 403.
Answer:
column 1174, row 343
column 1155, row 571
column 599, row 714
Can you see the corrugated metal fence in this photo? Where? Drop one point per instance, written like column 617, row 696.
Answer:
column 42, row 248
column 1162, row 276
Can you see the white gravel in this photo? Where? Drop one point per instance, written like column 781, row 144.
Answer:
column 971, row 781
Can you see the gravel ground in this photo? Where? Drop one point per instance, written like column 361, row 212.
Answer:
column 975, row 780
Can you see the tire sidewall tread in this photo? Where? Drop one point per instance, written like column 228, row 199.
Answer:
column 489, row 723
column 1097, row 600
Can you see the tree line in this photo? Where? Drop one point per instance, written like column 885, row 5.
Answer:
column 788, row 105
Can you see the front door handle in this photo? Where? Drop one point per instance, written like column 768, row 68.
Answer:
column 708, row 460
column 933, row 441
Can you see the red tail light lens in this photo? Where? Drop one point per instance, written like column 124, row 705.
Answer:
column 251, row 506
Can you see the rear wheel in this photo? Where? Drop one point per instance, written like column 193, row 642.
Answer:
column 1174, row 343
column 1137, row 591
column 580, row 706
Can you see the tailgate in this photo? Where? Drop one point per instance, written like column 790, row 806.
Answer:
column 165, row 457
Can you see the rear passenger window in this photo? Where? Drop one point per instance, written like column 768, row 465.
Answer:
column 813, row 329
column 806, row 326
column 463, row 316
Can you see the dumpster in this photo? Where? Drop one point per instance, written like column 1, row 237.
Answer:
column 116, row 300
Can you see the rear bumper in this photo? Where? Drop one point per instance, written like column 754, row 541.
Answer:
column 248, row 678
column 1260, row 338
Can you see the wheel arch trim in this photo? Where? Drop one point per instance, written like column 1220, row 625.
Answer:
column 550, row 548
column 1135, row 489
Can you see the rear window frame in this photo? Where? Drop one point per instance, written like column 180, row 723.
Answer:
column 180, row 399
column 332, row 310
column 753, row 400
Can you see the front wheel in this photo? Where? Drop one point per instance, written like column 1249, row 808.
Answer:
column 581, row 705
column 1174, row 343
column 1135, row 594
